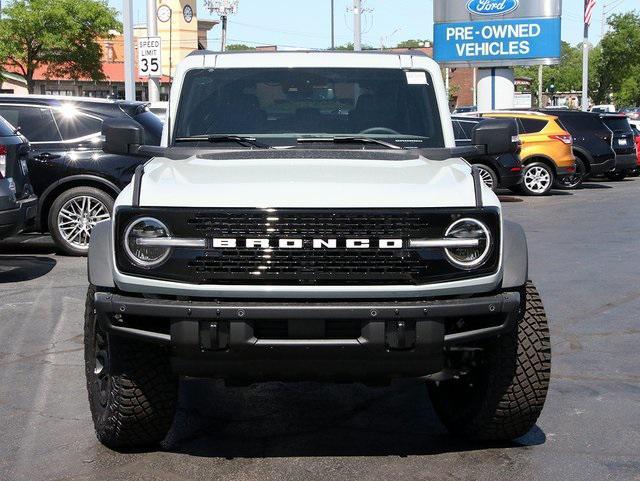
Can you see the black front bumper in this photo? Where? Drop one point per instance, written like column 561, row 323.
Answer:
column 350, row 341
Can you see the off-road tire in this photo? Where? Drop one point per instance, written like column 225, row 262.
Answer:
column 63, row 244
column 502, row 398
column 141, row 392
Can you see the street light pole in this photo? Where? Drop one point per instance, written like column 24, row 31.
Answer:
column 223, row 8
column 223, row 37
column 357, row 25
column 152, row 31
column 333, row 26
column 129, row 78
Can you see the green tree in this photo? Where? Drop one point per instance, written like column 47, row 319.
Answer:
column 350, row 46
column 620, row 57
column 239, row 47
column 629, row 93
column 60, row 35
column 413, row 43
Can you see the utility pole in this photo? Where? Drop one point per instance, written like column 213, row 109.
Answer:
column 223, row 8
column 129, row 78
column 357, row 25
column 333, row 26
column 152, row 31
column 540, row 87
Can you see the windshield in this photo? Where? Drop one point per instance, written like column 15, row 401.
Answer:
column 280, row 105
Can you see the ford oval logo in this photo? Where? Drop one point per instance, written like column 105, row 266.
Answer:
column 492, row 7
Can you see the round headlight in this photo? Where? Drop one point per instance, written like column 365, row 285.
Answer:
column 469, row 257
column 142, row 253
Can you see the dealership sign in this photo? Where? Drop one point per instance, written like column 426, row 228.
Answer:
column 487, row 33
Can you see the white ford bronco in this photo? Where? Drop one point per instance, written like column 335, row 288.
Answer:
column 308, row 217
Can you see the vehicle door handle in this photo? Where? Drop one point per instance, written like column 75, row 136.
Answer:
column 45, row 156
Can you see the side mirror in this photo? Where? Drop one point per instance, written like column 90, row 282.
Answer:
column 122, row 136
column 498, row 136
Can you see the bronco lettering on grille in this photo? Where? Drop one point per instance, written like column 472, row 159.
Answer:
column 293, row 243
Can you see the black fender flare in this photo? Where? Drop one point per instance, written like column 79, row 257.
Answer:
column 515, row 257
column 100, row 257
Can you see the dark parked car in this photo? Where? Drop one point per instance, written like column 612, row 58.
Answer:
column 624, row 144
column 18, row 204
column 75, row 181
column 636, row 133
column 496, row 171
column 591, row 144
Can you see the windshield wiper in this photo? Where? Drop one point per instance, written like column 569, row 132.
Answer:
column 238, row 139
column 350, row 140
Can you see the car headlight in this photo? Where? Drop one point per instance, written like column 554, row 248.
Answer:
column 141, row 242
column 474, row 256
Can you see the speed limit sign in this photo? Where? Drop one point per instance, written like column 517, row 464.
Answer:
column 149, row 60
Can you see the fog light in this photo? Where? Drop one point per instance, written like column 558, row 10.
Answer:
column 144, row 255
column 469, row 257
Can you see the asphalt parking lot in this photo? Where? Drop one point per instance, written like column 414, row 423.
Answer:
column 584, row 250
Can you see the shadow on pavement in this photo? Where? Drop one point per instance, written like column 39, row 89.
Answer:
column 313, row 419
column 28, row 244
column 510, row 199
column 24, row 268
column 594, row 186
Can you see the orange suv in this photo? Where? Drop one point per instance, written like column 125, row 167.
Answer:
column 547, row 151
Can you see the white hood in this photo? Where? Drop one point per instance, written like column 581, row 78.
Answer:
column 307, row 183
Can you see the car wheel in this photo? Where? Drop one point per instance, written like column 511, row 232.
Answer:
column 616, row 176
column 488, row 176
column 635, row 172
column 132, row 391
column 574, row 181
column 537, row 179
column 504, row 391
column 73, row 215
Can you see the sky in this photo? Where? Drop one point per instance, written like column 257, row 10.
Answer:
column 306, row 23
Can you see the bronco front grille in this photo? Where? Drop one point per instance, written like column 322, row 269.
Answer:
column 307, row 265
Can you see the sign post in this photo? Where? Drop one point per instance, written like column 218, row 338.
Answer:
column 495, row 35
column 152, row 31
column 149, row 57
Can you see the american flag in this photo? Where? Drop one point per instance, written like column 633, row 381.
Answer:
column 589, row 7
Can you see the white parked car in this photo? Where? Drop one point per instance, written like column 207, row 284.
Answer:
column 604, row 109
column 309, row 217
